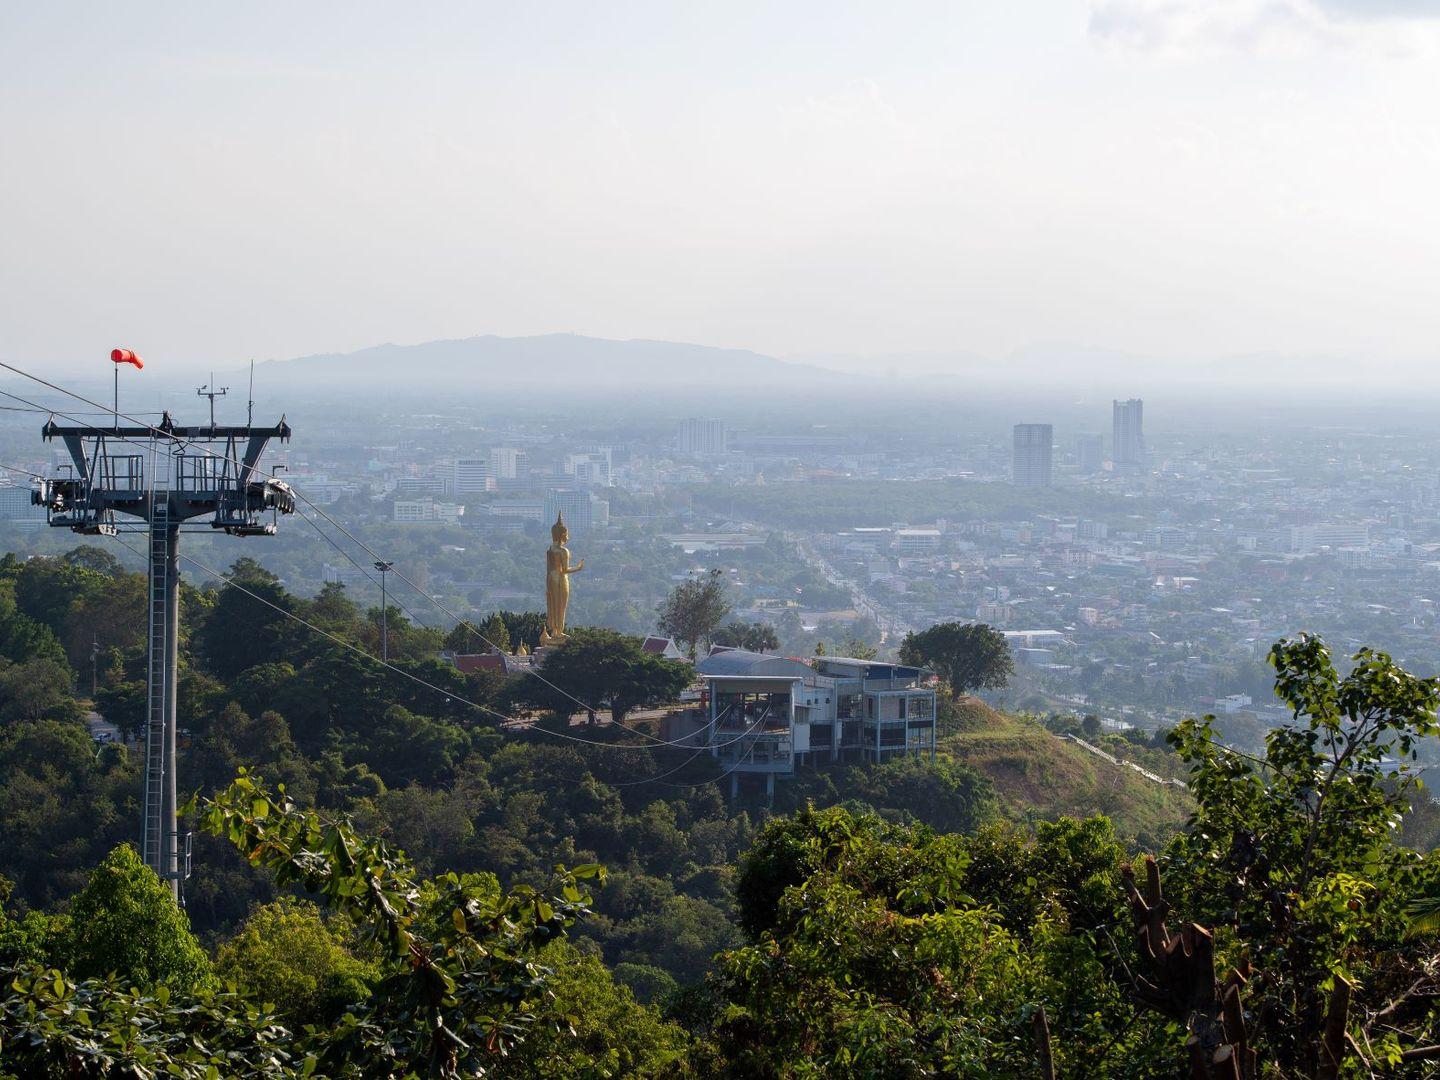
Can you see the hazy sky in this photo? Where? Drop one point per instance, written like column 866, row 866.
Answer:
column 208, row 182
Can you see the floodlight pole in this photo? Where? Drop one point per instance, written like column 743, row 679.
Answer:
column 384, row 568
column 160, row 839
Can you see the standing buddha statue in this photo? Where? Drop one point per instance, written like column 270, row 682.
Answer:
column 557, row 582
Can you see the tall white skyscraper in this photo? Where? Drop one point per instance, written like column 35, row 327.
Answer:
column 1033, row 452
column 701, row 437
column 1128, row 435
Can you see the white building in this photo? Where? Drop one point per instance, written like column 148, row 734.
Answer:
column 915, row 541
column 581, row 509
column 421, row 485
column 521, row 509
column 698, row 436
column 427, row 512
column 505, row 462
column 590, row 469
column 1305, row 539
column 319, row 488
column 470, row 475
column 768, row 714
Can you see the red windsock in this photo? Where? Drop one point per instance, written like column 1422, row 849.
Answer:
column 125, row 356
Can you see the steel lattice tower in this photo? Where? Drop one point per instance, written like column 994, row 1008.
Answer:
column 179, row 475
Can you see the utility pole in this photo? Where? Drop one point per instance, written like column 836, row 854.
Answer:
column 94, row 666
column 384, row 568
column 164, row 476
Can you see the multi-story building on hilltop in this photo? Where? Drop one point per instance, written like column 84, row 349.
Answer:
column 766, row 715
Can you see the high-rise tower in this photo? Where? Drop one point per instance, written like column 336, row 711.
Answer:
column 1034, row 445
column 1128, row 435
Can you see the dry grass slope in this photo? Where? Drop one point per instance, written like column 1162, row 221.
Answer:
column 1038, row 776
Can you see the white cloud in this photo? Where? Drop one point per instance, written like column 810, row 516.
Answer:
column 1181, row 28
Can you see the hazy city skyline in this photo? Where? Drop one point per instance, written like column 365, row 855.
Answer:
column 914, row 190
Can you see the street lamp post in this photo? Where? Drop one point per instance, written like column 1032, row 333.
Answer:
column 384, row 568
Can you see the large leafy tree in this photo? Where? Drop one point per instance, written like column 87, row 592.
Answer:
column 604, row 669
column 245, row 628
column 877, row 951
column 286, row 953
column 459, row 974
column 592, row 1028
column 1293, row 860
column 126, row 923
column 694, row 610
column 62, row 806
column 968, row 656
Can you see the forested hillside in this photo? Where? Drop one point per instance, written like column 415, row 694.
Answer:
column 406, row 870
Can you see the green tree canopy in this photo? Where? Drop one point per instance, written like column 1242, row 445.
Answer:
column 241, row 630
column 606, row 669
column 125, row 922
column 1294, row 857
column 694, row 610
column 968, row 656
column 287, row 954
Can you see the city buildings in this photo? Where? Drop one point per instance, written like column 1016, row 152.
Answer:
column 1032, row 455
column 470, row 475
column 16, row 505
column 699, row 436
column 421, row 485
column 1305, row 539
column 1127, row 438
column 581, row 509
column 427, row 512
column 505, row 462
column 915, row 541
column 1090, row 453
column 591, row 468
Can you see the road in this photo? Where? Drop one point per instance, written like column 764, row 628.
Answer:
column 892, row 628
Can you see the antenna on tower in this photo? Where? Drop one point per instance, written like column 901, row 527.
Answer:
column 209, row 391
column 250, row 404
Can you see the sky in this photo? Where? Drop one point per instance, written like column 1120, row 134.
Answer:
column 885, row 186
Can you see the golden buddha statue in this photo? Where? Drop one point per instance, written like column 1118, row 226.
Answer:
column 557, row 582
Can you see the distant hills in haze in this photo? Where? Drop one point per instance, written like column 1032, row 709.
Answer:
column 575, row 362
column 562, row 361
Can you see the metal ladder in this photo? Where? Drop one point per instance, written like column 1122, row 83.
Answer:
column 156, row 828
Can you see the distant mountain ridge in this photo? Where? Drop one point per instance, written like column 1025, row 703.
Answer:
column 564, row 360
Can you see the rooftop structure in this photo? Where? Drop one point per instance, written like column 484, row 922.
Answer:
column 766, row 714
